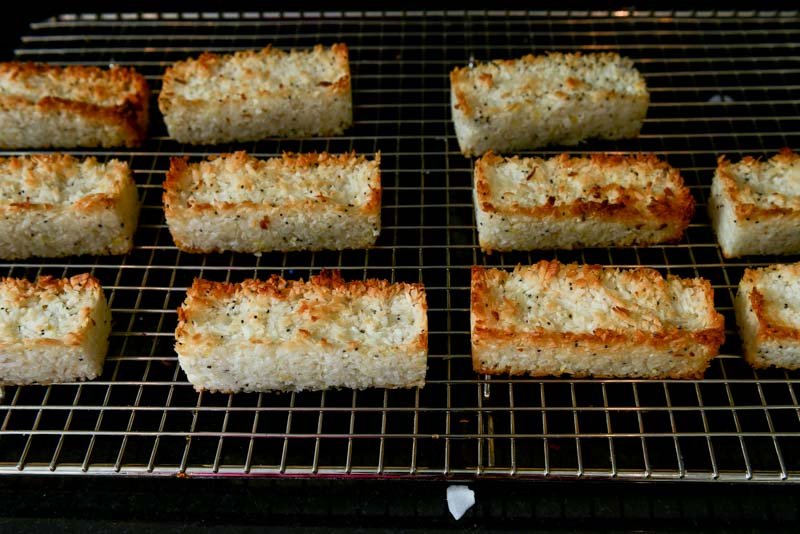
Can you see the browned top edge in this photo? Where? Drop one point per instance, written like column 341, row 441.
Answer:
column 179, row 167
column 207, row 60
column 460, row 75
column 131, row 114
column 482, row 278
column 674, row 205
column 85, row 204
column 79, row 282
column 730, row 188
column 47, row 282
column 769, row 326
column 203, row 292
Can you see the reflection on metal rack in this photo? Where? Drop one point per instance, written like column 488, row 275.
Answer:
column 721, row 83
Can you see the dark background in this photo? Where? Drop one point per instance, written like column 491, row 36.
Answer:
column 100, row 505
column 93, row 504
column 22, row 13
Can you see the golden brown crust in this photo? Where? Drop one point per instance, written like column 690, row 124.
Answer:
column 462, row 75
column 461, row 103
column 480, row 369
column 25, row 289
column 179, row 167
column 746, row 210
column 660, row 340
column 59, row 164
column 172, row 182
column 178, row 72
column 204, row 293
column 277, row 287
column 769, row 326
column 208, row 60
column 675, row 206
column 786, row 156
column 342, row 85
column 98, row 84
column 667, row 338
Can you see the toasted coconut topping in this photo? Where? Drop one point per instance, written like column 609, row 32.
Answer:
column 54, row 179
column 371, row 313
column 49, row 308
column 346, row 179
column 772, row 185
column 105, row 88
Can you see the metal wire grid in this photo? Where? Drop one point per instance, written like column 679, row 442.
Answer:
column 721, row 83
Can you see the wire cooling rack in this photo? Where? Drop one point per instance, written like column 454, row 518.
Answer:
column 721, row 83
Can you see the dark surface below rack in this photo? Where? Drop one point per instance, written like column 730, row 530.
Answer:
column 129, row 505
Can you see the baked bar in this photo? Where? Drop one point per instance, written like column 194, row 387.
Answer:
column 45, row 106
column 562, row 202
column 251, row 95
column 293, row 335
column 526, row 103
column 293, row 202
column 768, row 314
column 54, row 205
column 52, row 330
column 755, row 205
column 588, row 320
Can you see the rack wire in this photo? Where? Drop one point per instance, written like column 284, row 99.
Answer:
column 720, row 82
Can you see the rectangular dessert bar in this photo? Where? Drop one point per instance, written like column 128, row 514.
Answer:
column 52, row 330
column 292, row 335
column 588, row 320
column 294, row 202
column 54, row 205
column 768, row 314
column 252, row 94
column 596, row 201
column 44, row 106
column 755, row 205
column 526, row 103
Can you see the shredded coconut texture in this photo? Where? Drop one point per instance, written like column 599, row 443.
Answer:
column 58, row 180
column 26, row 313
column 534, row 101
column 278, row 181
column 535, row 181
column 584, row 302
column 768, row 314
column 286, row 335
column 52, row 330
column 258, row 73
column 755, row 205
column 771, row 183
column 81, row 84
column 587, row 320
